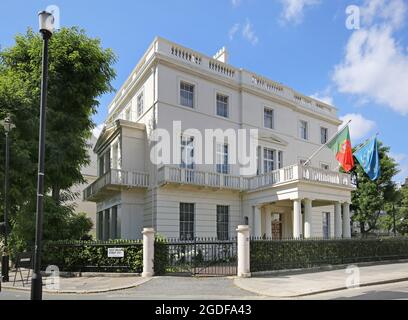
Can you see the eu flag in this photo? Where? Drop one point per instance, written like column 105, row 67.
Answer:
column 368, row 158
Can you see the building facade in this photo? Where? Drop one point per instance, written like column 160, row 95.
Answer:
column 282, row 199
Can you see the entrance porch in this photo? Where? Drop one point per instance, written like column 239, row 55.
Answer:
column 301, row 218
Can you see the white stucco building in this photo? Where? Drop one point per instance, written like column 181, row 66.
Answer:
column 282, row 199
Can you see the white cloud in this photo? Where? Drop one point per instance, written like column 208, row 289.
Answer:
column 293, row 10
column 234, row 29
column 97, row 130
column 360, row 127
column 248, row 33
column 375, row 66
column 390, row 11
column 323, row 97
column 402, row 160
column 399, row 157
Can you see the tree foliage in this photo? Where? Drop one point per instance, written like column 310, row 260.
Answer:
column 371, row 198
column 80, row 70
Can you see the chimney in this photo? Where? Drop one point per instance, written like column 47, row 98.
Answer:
column 222, row 55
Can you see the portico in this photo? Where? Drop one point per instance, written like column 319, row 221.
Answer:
column 299, row 218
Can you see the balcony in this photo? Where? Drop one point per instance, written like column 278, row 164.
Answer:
column 114, row 180
column 182, row 176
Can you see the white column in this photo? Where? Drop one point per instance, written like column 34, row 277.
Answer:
column 337, row 220
column 297, row 218
column 148, row 252
column 346, row 221
column 243, row 247
column 268, row 224
column 257, row 222
column 308, row 218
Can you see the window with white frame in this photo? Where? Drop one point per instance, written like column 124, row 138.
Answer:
column 222, row 222
column 326, row 225
column 324, row 135
column 222, row 158
column 187, row 152
column 187, row 212
column 268, row 118
column 186, row 94
column 140, row 104
column 280, row 159
column 303, row 130
column 269, row 160
column 222, row 105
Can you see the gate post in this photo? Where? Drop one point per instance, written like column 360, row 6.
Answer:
column 244, row 270
column 148, row 252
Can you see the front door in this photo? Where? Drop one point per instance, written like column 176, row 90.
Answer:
column 276, row 227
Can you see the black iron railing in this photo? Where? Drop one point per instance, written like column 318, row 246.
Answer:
column 267, row 254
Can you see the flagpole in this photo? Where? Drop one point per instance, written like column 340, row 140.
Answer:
column 322, row 146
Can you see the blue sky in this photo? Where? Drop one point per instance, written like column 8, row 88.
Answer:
column 304, row 44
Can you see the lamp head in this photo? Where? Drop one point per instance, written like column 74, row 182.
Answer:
column 46, row 23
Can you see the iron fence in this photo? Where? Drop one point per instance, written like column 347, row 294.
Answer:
column 268, row 254
column 200, row 256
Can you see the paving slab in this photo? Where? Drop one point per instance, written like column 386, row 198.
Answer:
column 286, row 286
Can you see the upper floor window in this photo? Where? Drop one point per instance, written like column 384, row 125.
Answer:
column 324, row 135
column 269, row 160
column 268, row 118
column 280, row 159
column 303, row 130
column 187, row 94
column 140, row 104
column 104, row 162
column 128, row 114
column 222, row 158
column 187, row 152
column 222, row 105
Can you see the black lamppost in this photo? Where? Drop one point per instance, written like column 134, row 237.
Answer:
column 46, row 21
column 8, row 125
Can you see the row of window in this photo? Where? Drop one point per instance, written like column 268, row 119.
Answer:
column 187, row 92
column 187, row 218
column 139, row 108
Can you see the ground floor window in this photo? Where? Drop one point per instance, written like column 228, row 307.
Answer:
column 108, row 224
column 187, row 211
column 326, row 225
column 222, row 222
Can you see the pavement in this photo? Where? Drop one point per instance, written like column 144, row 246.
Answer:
column 85, row 284
column 297, row 285
column 316, row 285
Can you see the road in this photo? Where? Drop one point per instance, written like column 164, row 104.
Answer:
column 214, row 288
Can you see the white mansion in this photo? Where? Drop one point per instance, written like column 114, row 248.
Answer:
column 283, row 199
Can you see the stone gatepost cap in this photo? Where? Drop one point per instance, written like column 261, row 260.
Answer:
column 242, row 228
column 148, row 230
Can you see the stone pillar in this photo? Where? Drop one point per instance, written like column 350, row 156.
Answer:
column 346, row 221
column 308, row 218
column 268, row 225
column 257, row 222
column 244, row 270
column 148, row 252
column 297, row 218
column 337, row 220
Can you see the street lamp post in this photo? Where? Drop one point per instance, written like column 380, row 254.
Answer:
column 46, row 22
column 8, row 125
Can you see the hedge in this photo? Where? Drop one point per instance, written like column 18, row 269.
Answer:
column 293, row 254
column 93, row 256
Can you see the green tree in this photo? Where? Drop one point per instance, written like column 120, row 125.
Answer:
column 371, row 197
column 80, row 70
